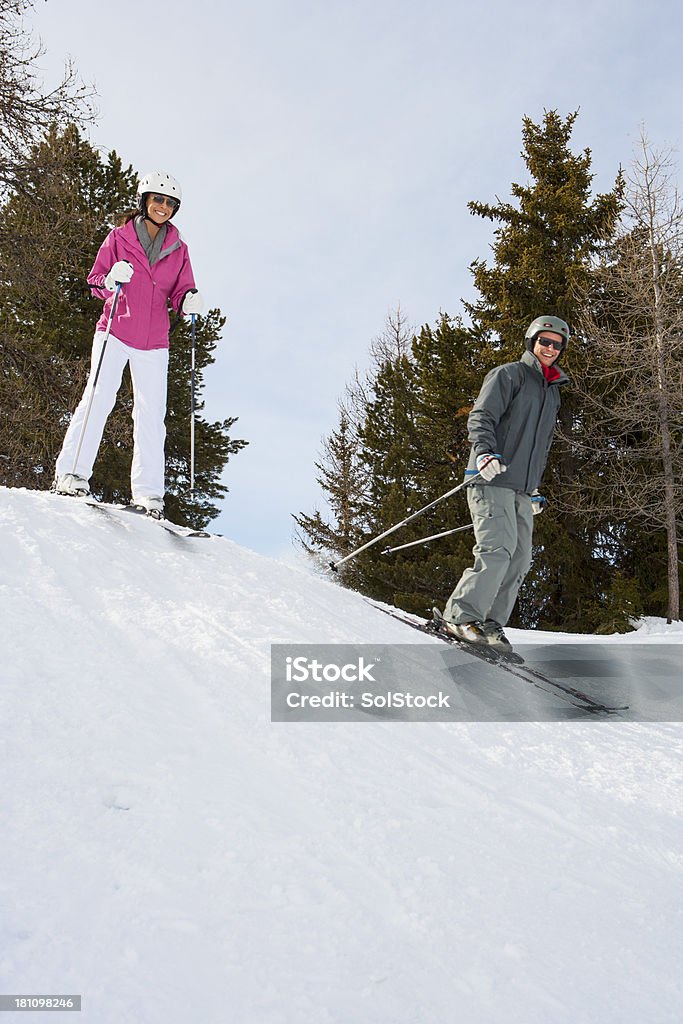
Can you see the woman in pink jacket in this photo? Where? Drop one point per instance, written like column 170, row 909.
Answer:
column 147, row 258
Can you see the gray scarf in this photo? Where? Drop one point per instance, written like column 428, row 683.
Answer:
column 151, row 246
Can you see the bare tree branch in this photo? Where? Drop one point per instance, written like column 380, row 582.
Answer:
column 631, row 383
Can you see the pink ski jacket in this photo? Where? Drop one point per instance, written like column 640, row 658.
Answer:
column 141, row 315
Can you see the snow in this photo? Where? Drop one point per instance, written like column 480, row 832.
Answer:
column 171, row 855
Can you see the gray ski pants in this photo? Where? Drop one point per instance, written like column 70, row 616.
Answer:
column 503, row 528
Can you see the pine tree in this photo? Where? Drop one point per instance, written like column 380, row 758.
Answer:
column 448, row 371
column 546, row 246
column 409, row 447
column 48, row 232
column 27, row 382
column 213, row 442
column 389, row 454
column 342, row 472
column 342, row 479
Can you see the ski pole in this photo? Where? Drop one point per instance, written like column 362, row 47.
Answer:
column 425, row 540
column 335, row 565
column 193, row 317
column 96, row 377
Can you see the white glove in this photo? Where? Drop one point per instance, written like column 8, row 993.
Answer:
column 193, row 302
column 538, row 503
column 120, row 273
column 490, row 466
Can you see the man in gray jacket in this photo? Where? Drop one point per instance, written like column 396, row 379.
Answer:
column 511, row 429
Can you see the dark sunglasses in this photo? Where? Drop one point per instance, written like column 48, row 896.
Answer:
column 166, row 200
column 548, row 343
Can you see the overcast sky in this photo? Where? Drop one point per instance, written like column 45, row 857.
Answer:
column 327, row 151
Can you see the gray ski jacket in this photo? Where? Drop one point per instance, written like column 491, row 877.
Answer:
column 514, row 416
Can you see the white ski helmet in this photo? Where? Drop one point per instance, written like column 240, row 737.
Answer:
column 163, row 183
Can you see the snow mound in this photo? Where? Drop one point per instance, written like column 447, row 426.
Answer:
column 652, row 628
column 171, row 855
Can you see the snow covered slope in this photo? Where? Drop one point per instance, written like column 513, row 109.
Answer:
column 173, row 856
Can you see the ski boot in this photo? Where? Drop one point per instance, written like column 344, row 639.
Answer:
column 71, row 484
column 151, row 506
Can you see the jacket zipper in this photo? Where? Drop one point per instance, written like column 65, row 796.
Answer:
column 546, row 388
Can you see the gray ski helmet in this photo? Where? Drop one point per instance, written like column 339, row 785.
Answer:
column 546, row 323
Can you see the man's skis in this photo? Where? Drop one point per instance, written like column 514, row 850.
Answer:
column 438, row 625
column 503, row 660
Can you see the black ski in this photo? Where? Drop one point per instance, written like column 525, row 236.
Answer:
column 516, row 668
column 165, row 524
column 112, row 510
column 437, row 625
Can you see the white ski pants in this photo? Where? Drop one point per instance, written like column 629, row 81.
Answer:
column 149, row 373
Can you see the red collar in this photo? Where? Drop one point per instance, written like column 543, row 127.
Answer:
column 550, row 373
